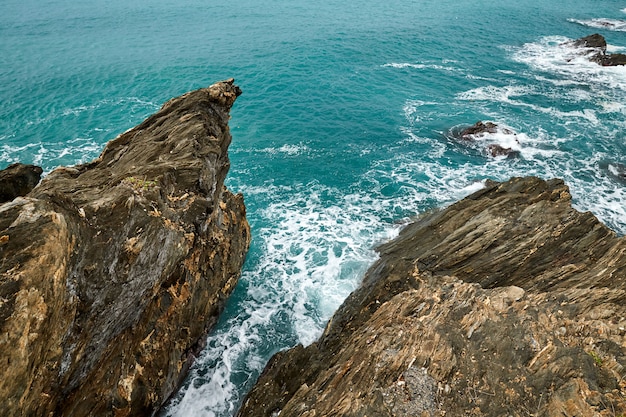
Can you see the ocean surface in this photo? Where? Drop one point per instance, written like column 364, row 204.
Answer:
column 341, row 136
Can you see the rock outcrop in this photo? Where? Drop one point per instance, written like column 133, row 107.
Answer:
column 485, row 136
column 113, row 271
column 597, row 44
column 17, row 180
column 507, row 303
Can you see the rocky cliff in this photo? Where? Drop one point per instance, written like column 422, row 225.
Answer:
column 507, row 303
column 113, row 271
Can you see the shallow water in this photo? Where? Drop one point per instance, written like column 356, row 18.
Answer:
column 342, row 133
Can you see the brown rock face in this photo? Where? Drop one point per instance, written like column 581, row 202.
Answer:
column 17, row 180
column 113, row 271
column 507, row 303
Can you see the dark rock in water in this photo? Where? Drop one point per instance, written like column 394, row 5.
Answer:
column 478, row 129
column 612, row 60
column 615, row 170
column 597, row 42
column 113, row 271
column 592, row 41
column 18, row 180
column 481, row 129
column 509, row 302
column 497, row 150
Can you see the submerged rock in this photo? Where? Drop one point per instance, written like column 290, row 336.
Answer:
column 17, row 180
column 113, row 271
column 509, row 302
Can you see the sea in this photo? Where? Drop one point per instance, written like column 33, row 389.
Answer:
column 344, row 133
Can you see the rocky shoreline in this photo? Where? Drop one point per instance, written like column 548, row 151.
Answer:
column 113, row 271
column 507, row 303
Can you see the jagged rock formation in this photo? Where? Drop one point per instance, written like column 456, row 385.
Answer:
column 17, row 180
column 113, row 271
column 597, row 44
column 507, row 303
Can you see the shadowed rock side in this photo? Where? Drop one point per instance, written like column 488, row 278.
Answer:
column 17, row 180
column 507, row 303
column 113, row 271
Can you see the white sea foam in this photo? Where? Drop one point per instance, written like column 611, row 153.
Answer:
column 540, row 156
column 556, row 55
column 315, row 249
column 480, row 78
column 414, row 110
column 287, row 149
column 403, row 65
column 507, row 94
column 602, row 23
column 495, row 93
column 613, row 107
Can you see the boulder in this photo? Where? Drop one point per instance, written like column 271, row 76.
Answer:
column 481, row 133
column 18, row 180
column 113, row 271
column 477, row 129
column 611, row 60
column 592, row 41
column 509, row 302
column 597, row 44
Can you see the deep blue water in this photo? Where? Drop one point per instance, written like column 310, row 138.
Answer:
column 341, row 134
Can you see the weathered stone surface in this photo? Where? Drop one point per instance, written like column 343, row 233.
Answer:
column 113, row 271
column 17, row 180
column 507, row 303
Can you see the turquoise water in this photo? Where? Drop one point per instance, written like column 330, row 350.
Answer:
column 341, row 135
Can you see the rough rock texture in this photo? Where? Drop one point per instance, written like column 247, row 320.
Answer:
column 507, row 303
column 17, row 180
column 597, row 44
column 112, row 271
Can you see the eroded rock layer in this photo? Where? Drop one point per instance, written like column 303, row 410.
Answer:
column 507, row 303
column 113, row 271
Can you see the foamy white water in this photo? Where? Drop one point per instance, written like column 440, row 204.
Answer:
column 600, row 23
column 314, row 254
